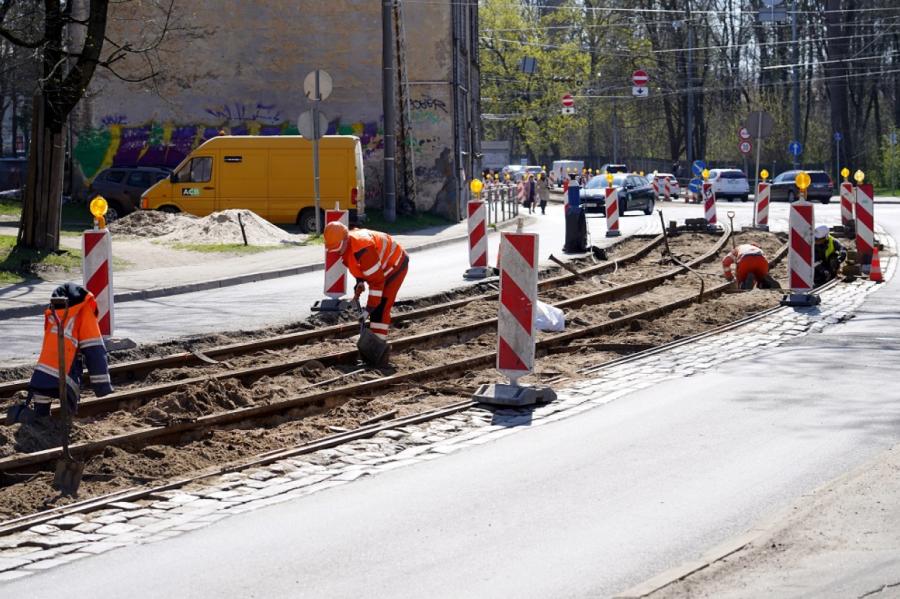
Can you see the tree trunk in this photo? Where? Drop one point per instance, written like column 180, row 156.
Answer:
column 42, row 206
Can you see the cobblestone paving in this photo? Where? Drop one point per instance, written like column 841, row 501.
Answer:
column 168, row 514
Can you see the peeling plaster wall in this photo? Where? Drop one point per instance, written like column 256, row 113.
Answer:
column 238, row 66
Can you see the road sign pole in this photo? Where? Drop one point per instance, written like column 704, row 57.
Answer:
column 318, row 134
column 756, row 170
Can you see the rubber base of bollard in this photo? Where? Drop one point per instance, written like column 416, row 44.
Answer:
column 615, row 233
column 480, row 272
column 803, row 300
column 330, row 305
column 757, row 228
column 501, row 394
column 118, row 343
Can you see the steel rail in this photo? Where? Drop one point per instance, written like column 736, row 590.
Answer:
column 183, row 430
column 122, row 370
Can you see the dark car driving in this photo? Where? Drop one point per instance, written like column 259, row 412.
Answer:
column 821, row 187
column 635, row 193
column 122, row 187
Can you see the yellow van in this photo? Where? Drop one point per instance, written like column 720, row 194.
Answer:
column 270, row 175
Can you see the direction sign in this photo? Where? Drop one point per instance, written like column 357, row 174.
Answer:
column 838, row 136
column 640, row 91
column 568, row 100
column 760, row 124
column 795, row 148
column 325, row 85
column 745, row 147
column 698, row 167
column 772, row 15
column 695, row 185
column 307, row 128
column 744, row 133
column 568, row 110
column 640, row 78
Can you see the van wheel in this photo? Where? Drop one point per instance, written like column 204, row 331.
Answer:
column 307, row 220
column 169, row 209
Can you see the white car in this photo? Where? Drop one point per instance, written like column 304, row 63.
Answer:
column 729, row 183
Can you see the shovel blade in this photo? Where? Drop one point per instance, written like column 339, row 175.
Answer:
column 68, row 476
column 371, row 348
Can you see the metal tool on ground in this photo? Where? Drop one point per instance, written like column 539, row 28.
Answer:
column 662, row 222
column 730, row 215
column 373, row 350
column 68, row 474
column 575, row 272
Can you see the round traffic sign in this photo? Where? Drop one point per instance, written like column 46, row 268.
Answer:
column 640, row 78
column 325, row 85
column 838, row 136
column 695, row 185
column 568, row 100
column 697, row 167
column 745, row 147
column 744, row 133
column 306, row 124
column 795, row 148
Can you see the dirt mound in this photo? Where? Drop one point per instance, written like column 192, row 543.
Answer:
column 148, row 223
column 225, row 228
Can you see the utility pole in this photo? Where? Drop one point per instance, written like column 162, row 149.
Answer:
column 690, row 89
column 389, row 191
column 796, row 80
column 615, row 132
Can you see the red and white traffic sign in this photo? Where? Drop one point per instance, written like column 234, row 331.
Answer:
column 744, row 133
column 640, row 78
column 568, row 100
column 745, row 147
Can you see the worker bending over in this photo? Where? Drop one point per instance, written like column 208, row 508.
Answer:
column 751, row 265
column 83, row 343
column 372, row 258
column 829, row 254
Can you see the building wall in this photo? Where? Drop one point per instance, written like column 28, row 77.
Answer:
column 238, row 66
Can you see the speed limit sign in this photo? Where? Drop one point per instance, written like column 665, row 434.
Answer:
column 745, row 147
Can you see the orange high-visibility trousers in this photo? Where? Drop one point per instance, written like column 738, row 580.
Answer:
column 755, row 265
column 381, row 317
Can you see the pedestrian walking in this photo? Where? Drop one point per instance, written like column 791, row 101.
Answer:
column 530, row 193
column 543, row 191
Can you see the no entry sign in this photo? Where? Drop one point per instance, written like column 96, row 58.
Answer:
column 568, row 100
column 640, row 78
column 745, row 147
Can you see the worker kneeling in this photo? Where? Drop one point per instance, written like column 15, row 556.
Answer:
column 752, row 267
column 374, row 259
column 82, row 342
column 829, row 254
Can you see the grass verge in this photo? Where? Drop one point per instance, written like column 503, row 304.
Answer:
column 227, row 248
column 20, row 264
column 404, row 223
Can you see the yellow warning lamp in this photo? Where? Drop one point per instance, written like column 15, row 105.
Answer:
column 476, row 186
column 705, row 174
column 859, row 176
column 845, row 173
column 507, row 176
column 641, row 173
column 764, row 174
column 99, row 208
column 609, row 179
column 802, row 182
column 544, row 167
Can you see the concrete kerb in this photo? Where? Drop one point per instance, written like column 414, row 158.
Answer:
column 144, row 294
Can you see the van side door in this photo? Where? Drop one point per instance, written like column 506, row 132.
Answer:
column 243, row 180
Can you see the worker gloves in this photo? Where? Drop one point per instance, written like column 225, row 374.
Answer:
column 358, row 290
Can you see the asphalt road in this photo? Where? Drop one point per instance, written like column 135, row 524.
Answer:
column 582, row 507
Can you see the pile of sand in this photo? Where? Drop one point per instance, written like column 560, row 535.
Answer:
column 217, row 228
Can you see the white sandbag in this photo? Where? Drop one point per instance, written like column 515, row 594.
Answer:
column 549, row 318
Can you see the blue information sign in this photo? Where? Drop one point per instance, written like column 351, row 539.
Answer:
column 697, row 167
column 696, row 184
column 795, row 148
column 838, row 136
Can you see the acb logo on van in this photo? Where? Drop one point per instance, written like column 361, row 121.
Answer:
column 190, row 191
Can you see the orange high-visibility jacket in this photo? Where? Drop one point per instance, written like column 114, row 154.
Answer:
column 82, row 338
column 737, row 254
column 372, row 257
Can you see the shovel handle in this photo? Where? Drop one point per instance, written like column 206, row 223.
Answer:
column 61, row 367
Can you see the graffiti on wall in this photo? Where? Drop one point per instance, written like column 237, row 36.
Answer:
column 239, row 112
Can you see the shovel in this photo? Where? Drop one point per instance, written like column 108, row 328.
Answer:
column 373, row 350
column 68, row 471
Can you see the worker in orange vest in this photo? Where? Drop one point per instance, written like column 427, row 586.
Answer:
column 83, row 344
column 374, row 259
column 751, row 265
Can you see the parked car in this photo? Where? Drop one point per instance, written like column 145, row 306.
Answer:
column 122, row 187
column 674, row 187
column 613, row 168
column 821, row 187
column 635, row 193
column 729, row 184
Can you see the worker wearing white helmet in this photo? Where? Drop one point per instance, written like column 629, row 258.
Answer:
column 829, row 254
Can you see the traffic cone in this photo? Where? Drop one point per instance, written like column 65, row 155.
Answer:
column 875, row 268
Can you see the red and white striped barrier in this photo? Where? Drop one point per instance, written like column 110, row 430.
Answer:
column 335, row 270
column 667, row 189
column 800, row 256
column 762, row 205
column 518, row 304
column 865, row 223
column 478, row 259
column 655, row 184
column 709, row 204
column 612, row 212
column 847, row 205
column 96, row 265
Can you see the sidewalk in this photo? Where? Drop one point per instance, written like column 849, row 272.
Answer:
column 205, row 271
